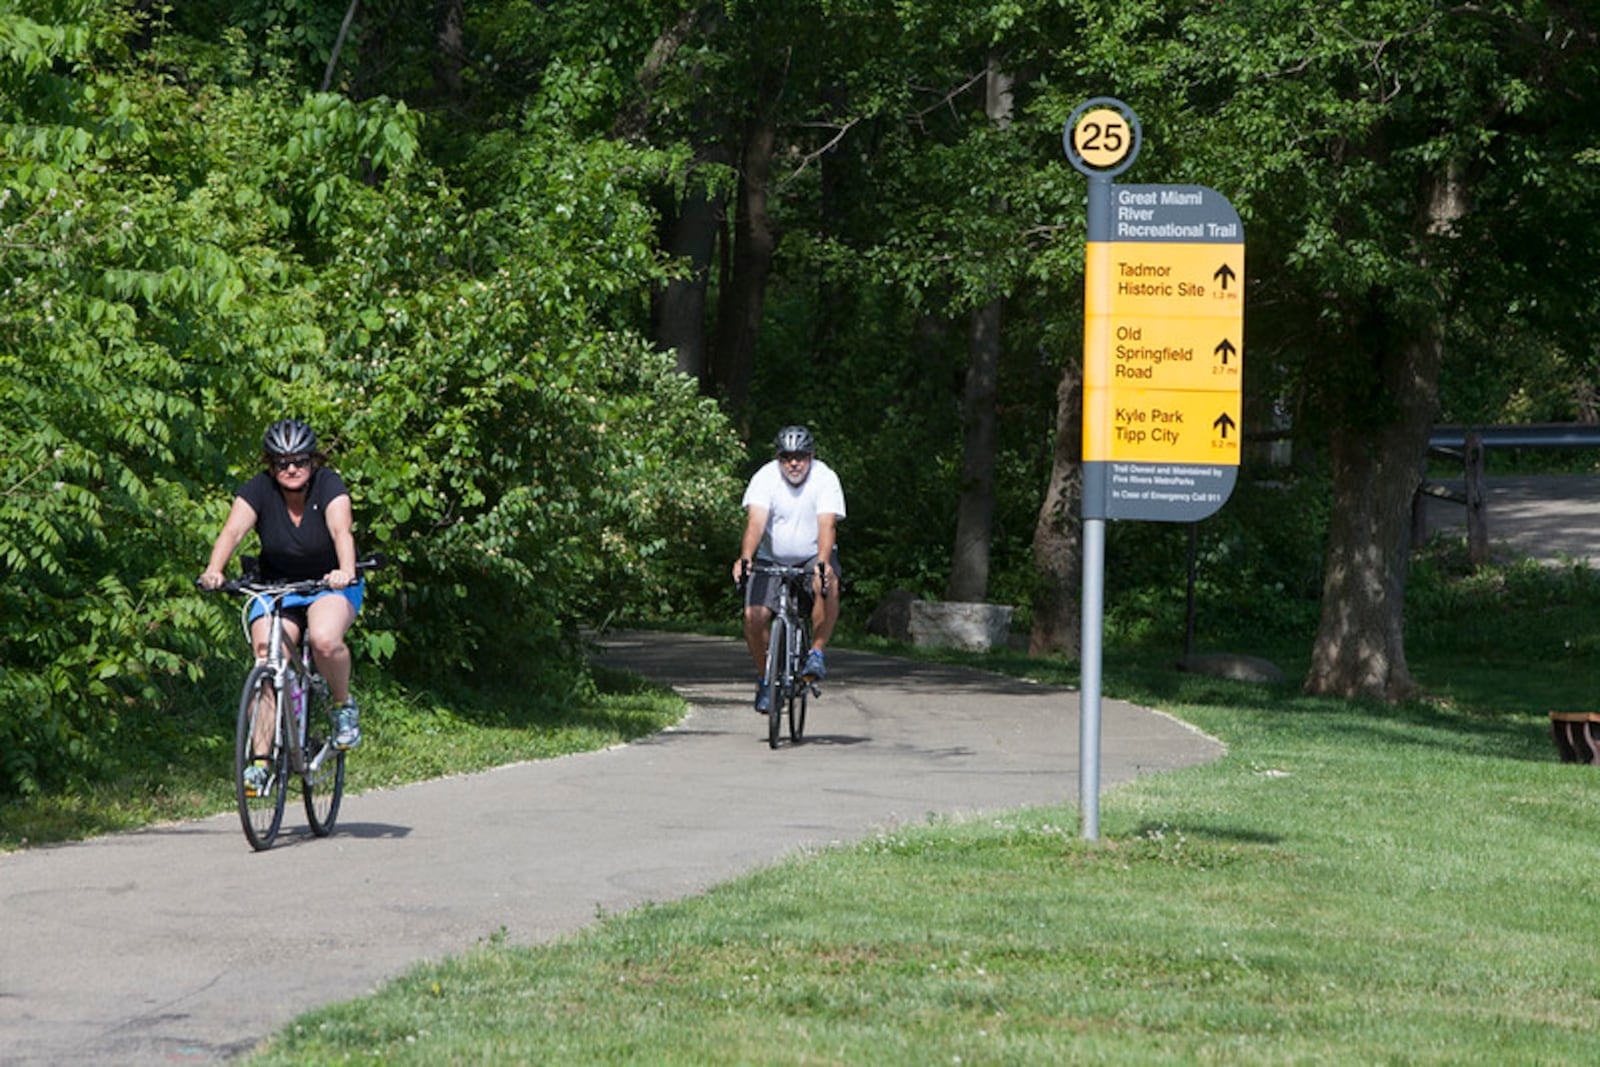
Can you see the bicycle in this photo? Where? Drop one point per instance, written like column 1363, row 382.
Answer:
column 788, row 641
column 287, row 686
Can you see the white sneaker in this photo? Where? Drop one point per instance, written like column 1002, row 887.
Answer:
column 257, row 779
column 349, row 721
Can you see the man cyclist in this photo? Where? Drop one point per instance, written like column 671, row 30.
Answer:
column 793, row 505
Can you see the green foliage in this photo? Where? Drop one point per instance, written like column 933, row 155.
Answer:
column 185, row 259
column 113, row 281
column 452, row 284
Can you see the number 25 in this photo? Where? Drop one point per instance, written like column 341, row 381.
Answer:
column 1097, row 138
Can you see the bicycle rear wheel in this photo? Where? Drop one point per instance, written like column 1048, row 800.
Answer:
column 323, row 782
column 777, row 678
column 260, row 809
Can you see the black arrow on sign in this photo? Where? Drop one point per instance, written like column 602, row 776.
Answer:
column 1223, row 425
column 1224, row 274
column 1225, row 349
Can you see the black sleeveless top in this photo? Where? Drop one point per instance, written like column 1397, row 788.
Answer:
column 290, row 552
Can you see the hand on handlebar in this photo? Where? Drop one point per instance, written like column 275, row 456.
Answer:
column 210, row 580
column 741, row 572
column 338, row 579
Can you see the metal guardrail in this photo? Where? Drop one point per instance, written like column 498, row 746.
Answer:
column 1530, row 435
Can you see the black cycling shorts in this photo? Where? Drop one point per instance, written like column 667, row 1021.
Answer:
column 762, row 589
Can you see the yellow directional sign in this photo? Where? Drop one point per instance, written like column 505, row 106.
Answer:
column 1163, row 351
column 1169, row 279
column 1167, row 426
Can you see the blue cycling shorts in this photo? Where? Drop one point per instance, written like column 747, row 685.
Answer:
column 352, row 593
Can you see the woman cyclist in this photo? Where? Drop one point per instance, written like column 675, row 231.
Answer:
column 301, row 511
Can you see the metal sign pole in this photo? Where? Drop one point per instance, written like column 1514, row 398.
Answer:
column 1108, row 127
column 1094, row 560
column 1092, row 638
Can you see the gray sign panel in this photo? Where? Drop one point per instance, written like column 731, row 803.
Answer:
column 1156, row 492
column 1171, row 214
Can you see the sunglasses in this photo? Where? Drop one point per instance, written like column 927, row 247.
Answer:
column 289, row 462
column 794, row 457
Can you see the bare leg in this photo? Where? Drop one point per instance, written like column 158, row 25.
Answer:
column 327, row 620
column 824, row 612
column 260, row 633
column 757, row 623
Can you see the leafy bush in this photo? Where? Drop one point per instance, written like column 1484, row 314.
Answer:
column 183, row 260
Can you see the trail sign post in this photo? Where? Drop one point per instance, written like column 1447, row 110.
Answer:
column 1163, row 353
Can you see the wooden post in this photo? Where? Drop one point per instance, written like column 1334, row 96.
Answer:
column 1477, row 517
column 1419, row 510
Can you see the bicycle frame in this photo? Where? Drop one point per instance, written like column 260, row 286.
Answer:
column 296, row 677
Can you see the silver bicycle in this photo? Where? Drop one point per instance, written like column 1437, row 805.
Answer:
column 287, row 688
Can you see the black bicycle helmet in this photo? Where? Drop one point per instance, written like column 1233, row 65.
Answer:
column 795, row 439
column 289, row 437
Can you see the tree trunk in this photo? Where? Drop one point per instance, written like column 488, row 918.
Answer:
column 338, row 43
column 689, row 228
column 740, row 303
column 678, row 310
column 969, row 564
column 451, row 55
column 634, row 120
column 1360, row 644
column 1058, row 535
column 1359, row 650
column 969, row 567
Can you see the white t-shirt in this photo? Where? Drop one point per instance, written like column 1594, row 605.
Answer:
column 792, row 510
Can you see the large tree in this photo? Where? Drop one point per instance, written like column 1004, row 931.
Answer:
column 1391, row 157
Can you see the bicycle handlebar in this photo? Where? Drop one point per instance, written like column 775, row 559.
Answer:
column 258, row 587
column 778, row 570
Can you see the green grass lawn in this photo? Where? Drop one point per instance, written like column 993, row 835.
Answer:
column 1347, row 885
column 1350, row 884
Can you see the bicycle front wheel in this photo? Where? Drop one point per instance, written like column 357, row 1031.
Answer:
column 797, row 714
column 777, row 678
column 801, row 637
column 260, row 801
column 323, row 781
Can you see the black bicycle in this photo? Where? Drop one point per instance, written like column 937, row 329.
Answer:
column 787, row 644
column 286, row 687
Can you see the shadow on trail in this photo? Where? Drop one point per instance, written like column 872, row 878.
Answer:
column 719, row 660
column 832, row 740
column 372, row 831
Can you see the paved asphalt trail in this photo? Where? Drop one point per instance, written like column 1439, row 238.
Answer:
column 1551, row 517
column 171, row 945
